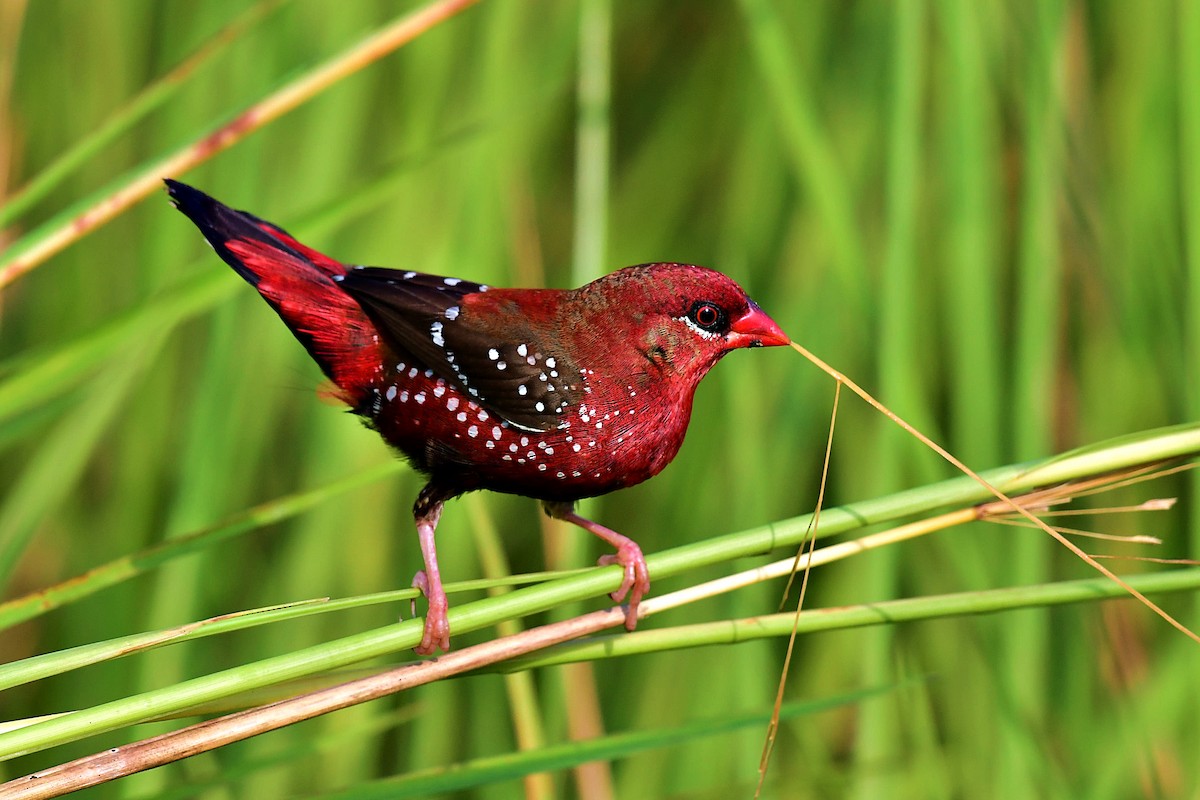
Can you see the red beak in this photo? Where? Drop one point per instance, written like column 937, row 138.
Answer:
column 756, row 329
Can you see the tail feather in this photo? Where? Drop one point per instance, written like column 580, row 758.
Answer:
column 298, row 282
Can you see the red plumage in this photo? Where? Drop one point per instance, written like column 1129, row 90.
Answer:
column 551, row 394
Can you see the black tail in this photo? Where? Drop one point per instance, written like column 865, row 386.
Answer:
column 297, row 281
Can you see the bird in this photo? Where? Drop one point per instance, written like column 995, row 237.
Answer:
column 556, row 395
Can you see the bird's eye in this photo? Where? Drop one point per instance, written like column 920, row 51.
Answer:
column 707, row 316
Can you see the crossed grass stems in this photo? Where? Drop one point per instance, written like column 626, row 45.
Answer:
column 543, row 644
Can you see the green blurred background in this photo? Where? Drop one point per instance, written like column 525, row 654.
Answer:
column 987, row 213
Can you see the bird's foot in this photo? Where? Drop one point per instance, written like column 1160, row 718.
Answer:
column 437, row 626
column 637, row 578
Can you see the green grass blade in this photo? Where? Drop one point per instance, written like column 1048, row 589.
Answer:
column 489, row 611
column 104, row 576
column 511, row 766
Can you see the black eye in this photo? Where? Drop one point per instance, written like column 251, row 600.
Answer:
column 707, row 316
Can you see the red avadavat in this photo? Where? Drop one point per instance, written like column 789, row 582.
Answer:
column 551, row 394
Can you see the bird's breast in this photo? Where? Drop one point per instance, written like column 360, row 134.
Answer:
column 620, row 433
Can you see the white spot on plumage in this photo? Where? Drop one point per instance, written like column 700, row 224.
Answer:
column 540, row 406
column 401, row 367
column 452, row 312
column 522, row 350
column 409, row 275
column 512, row 448
column 462, row 416
column 436, row 331
column 483, row 415
column 404, row 396
column 493, row 354
column 391, row 392
column 576, row 447
column 496, row 432
column 451, row 281
column 541, row 467
column 501, row 365
column 439, row 390
column 452, row 403
column 419, row 397
column 412, row 373
column 490, row 444
column 550, row 362
column 549, row 451
column 473, row 431
column 521, row 390
column 524, row 441
column 561, row 475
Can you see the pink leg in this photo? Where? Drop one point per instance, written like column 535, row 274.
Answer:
column 629, row 555
column 429, row 581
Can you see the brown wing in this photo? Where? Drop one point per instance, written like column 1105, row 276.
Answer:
column 502, row 362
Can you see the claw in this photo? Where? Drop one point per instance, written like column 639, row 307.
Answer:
column 426, row 512
column 629, row 555
column 637, row 579
column 437, row 626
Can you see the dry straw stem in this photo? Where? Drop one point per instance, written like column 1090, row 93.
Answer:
column 1008, row 501
column 294, row 94
column 138, row 107
column 764, row 758
column 121, row 761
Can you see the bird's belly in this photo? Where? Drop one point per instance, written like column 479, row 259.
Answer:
column 445, row 434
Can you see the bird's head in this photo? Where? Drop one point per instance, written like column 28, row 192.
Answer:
column 681, row 318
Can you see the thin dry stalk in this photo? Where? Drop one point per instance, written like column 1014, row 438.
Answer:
column 1008, row 501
